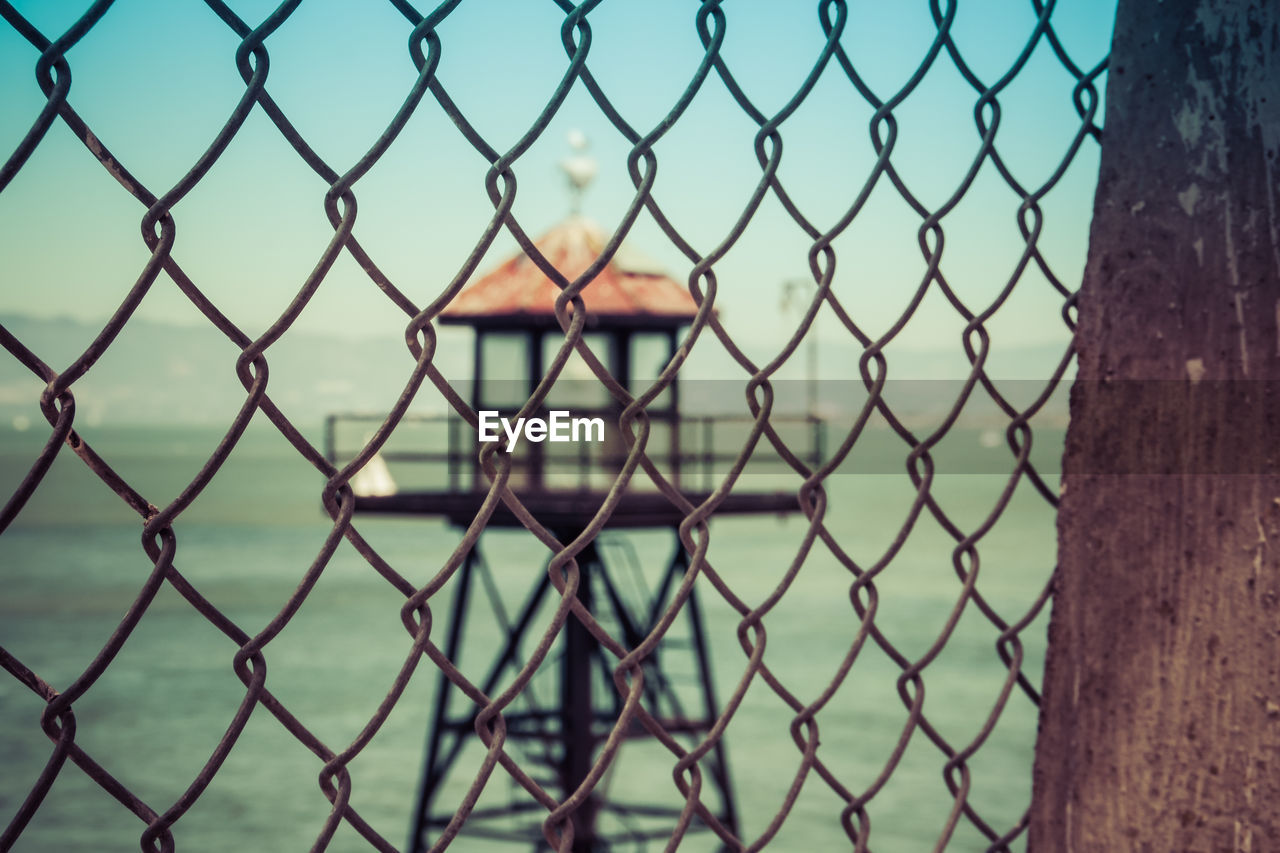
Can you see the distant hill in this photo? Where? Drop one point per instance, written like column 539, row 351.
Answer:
column 162, row 374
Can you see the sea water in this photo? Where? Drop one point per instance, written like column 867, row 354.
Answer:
column 72, row 564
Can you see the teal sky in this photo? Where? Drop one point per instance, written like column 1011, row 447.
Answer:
column 155, row 80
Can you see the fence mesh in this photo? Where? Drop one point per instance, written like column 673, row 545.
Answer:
column 792, row 750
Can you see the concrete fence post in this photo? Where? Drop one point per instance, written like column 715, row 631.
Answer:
column 1160, row 726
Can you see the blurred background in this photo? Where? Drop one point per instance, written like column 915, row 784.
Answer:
column 155, row 82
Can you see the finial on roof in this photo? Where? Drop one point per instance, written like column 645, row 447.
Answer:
column 579, row 168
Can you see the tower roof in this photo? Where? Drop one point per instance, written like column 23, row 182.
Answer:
column 630, row 291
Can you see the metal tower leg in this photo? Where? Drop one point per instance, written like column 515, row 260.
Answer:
column 577, row 711
column 693, row 607
column 434, row 770
column 720, row 760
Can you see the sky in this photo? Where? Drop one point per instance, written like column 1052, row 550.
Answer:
column 156, row 79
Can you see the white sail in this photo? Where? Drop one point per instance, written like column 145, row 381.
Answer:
column 374, row 479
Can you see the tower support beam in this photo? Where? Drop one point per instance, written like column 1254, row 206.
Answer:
column 564, row 739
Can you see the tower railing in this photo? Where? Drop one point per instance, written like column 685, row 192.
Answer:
column 441, row 452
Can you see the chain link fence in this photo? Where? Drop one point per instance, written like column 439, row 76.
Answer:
column 824, row 577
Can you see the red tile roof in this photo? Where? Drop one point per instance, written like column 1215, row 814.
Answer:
column 630, row 290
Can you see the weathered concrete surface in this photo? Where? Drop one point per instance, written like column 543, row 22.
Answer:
column 1161, row 721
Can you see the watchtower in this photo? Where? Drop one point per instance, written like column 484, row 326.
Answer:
column 635, row 319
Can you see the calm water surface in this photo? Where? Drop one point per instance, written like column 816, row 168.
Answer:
column 72, row 564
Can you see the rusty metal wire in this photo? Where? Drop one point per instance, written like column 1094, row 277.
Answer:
column 161, row 543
